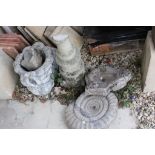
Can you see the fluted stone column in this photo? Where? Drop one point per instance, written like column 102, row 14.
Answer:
column 69, row 60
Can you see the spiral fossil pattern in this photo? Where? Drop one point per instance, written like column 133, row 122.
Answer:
column 92, row 112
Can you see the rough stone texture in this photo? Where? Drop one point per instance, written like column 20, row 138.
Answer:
column 92, row 112
column 8, row 78
column 32, row 59
column 69, row 60
column 74, row 37
column 103, row 80
column 148, row 63
column 40, row 81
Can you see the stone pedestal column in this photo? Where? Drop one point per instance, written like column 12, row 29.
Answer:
column 40, row 81
column 69, row 60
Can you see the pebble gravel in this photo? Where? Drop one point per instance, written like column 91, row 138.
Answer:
column 141, row 104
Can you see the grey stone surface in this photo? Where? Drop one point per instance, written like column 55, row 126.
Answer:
column 92, row 112
column 32, row 115
column 32, row 59
column 40, row 81
column 148, row 63
column 35, row 115
column 125, row 120
column 68, row 58
column 103, row 80
column 8, row 77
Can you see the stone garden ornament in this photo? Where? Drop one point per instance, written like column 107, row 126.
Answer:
column 103, row 80
column 92, row 111
column 69, row 60
column 36, row 67
column 97, row 106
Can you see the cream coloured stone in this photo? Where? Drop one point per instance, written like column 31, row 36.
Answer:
column 38, row 32
column 148, row 63
column 8, row 78
column 68, row 58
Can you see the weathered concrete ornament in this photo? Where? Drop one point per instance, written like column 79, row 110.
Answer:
column 68, row 58
column 38, row 81
column 92, row 112
column 97, row 106
column 103, row 80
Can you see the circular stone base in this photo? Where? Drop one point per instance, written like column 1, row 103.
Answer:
column 92, row 112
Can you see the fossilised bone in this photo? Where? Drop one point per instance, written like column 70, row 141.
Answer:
column 69, row 60
column 92, row 112
column 39, row 81
column 102, row 80
column 32, row 59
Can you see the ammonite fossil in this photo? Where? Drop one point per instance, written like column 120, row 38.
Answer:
column 92, row 112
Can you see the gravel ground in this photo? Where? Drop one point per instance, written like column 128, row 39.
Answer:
column 141, row 104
